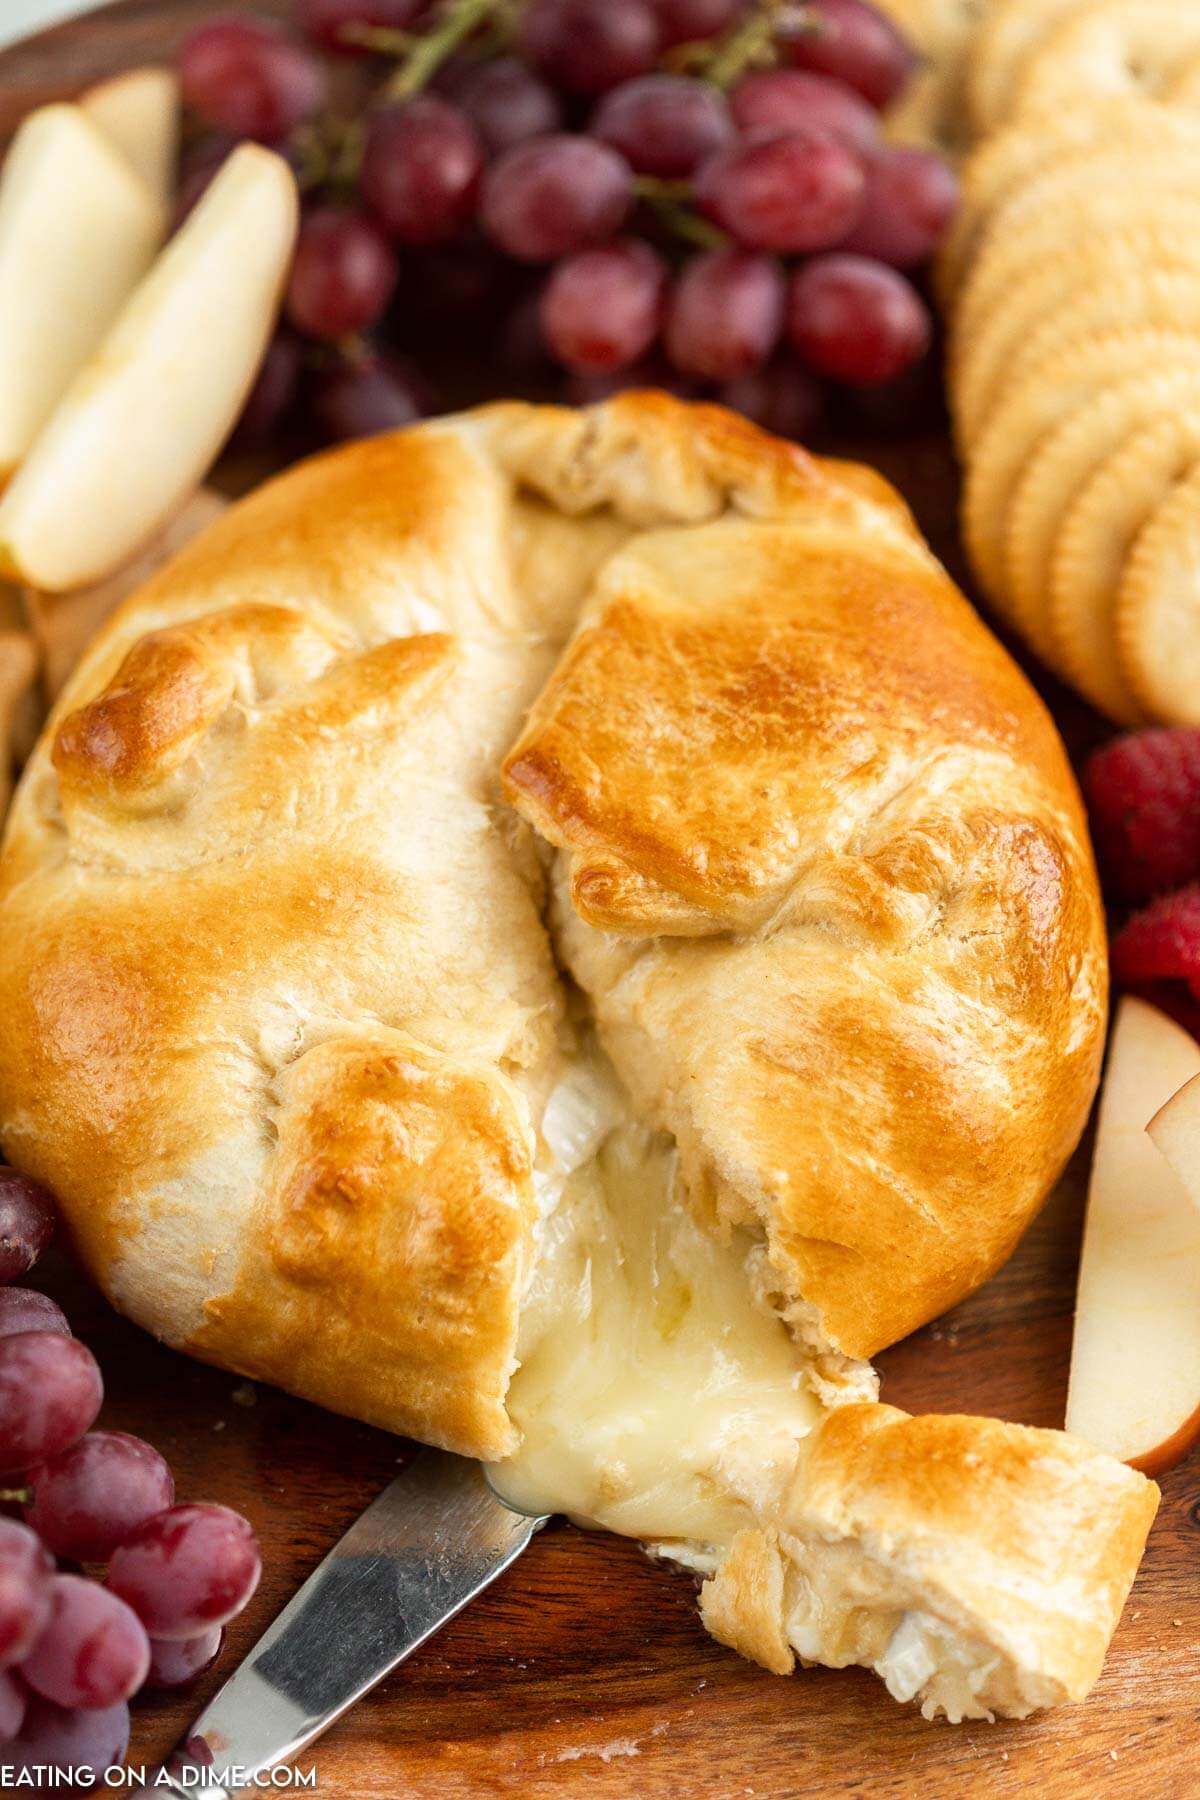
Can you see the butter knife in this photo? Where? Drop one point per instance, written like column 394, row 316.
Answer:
column 433, row 1540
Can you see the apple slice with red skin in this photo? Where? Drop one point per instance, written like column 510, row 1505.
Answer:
column 1135, row 1360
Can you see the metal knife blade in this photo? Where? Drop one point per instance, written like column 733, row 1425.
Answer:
column 434, row 1538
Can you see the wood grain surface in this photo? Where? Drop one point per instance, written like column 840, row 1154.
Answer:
column 585, row 1671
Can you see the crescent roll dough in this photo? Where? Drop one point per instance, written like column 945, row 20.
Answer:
column 560, row 934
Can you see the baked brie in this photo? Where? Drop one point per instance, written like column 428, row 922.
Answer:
column 561, row 934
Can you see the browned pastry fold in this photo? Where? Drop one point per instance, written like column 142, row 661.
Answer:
column 282, row 1012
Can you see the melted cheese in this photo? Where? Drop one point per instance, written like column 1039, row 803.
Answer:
column 660, row 1394
column 656, row 1395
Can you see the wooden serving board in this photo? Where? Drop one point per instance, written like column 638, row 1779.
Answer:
column 585, row 1671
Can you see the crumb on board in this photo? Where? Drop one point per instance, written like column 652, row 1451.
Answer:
column 625, row 1746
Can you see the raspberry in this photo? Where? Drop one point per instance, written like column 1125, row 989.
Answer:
column 1157, row 955
column 1143, row 794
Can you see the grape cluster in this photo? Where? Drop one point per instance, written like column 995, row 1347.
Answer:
column 591, row 193
column 74, row 1650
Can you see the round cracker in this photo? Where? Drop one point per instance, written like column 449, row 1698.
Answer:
column 932, row 110
column 1109, row 47
column 1158, row 609
column 1043, row 400
column 1166, row 233
column 1128, row 176
column 1168, row 299
column 983, row 355
column 1056, row 473
column 1008, row 36
column 1096, row 535
column 1002, row 165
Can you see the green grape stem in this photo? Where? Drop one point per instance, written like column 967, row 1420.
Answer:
column 423, row 56
column 753, row 41
column 671, row 203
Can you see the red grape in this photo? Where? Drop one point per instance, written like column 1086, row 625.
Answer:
column 691, row 21
column 53, row 1737
column 249, row 78
column 588, row 46
column 24, row 1309
column 784, row 398
column 543, row 199
column 856, row 320
column 768, row 101
column 910, row 199
column 89, row 1499
column 13, row 1701
column 92, row 1651
column 25, row 1570
column 725, row 314
column 601, row 308
column 26, row 1223
column 274, row 390
column 421, row 169
column 798, row 191
column 854, row 43
column 370, row 394
column 325, row 21
column 50, row 1393
column 187, row 1569
column 506, row 102
column 343, row 275
column 664, row 124
column 175, row 1662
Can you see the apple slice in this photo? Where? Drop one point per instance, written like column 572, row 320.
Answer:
column 78, row 230
column 1135, row 1359
column 138, row 113
column 1175, row 1128
column 142, row 423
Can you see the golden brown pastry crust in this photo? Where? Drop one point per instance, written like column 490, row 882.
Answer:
column 1019, row 1544
column 852, row 952
column 824, row 876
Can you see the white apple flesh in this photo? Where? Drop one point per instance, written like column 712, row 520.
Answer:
column 1175, row 1128
column 142, row 424
column 138, row 112
column 78, row 230
column 1135, row 1360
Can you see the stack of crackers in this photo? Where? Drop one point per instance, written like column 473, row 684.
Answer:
column 1071, row 281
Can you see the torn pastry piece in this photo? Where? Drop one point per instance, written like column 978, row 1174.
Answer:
column 284, row 1023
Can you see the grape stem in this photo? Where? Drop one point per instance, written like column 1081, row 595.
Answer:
column 424, row 55
column 753, row 40
column 16, row 1496
column 669, row 200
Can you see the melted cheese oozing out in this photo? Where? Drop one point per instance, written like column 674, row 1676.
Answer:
column 656, row 1395
column 659, row 1395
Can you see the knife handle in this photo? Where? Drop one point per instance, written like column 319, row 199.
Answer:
column 433, row 1540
